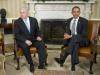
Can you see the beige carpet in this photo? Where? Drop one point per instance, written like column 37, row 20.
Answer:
column 57, row 72
column 52, row 65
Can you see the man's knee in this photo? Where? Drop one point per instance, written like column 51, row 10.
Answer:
column 40, row 43
column 25, row 46
column 75, row 38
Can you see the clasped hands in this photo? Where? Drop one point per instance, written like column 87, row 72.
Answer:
column 29, row 43
column 67, row 36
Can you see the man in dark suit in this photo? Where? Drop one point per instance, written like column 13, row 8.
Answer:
column 75, row 38
column 27, row 34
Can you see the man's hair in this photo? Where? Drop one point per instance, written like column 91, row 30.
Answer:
column 75, row 7
column 25, row 8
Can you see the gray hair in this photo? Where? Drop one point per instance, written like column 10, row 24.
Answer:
column 25, row 8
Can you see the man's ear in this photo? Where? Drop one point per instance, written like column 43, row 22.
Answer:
column 29, row 12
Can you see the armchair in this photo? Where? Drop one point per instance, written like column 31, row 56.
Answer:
column 18, row 51
column 89, row 52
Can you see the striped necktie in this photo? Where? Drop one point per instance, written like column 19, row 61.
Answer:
column 73, row 28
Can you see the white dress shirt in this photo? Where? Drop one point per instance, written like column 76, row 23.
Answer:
column 28, row 21
column 75, row 24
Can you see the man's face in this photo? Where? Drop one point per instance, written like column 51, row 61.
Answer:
column 23, row 13
column 76, row 12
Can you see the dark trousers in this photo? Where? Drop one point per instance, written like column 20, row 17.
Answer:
column 73, row 45
column 40, row 48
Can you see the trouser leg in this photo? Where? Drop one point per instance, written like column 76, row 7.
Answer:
column 73, row 46
column 26, row 51
column 41, row 51
column 65, row 56
column 74, row 55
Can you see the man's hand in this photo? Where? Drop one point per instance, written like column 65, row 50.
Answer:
column 28, row 42
column 66, row 36
column 39, row 39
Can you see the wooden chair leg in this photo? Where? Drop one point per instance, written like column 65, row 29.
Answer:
column 18, row 65
column 3, row 49
column 95, row 58
column 34, row 55
column 91, row 64
column 14, row 54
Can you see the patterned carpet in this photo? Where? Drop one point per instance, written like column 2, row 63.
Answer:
column 52, row 65
column 9, row 47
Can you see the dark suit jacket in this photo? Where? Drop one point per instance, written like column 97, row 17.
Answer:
column 21, row 32
column 82, row 28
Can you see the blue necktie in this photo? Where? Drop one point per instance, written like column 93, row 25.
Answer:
column 27, row 25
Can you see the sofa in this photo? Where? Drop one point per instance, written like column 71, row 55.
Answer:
column 2, row 60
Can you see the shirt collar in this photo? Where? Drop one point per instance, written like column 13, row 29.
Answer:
column 76, row 19
column 27, row 19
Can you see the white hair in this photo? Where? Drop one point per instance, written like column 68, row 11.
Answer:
column 25, row 8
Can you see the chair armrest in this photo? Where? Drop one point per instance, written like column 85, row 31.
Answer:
column 96, row 38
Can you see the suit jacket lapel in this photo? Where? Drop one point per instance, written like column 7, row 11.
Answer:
column 30, row 24
column 79, row 23
column 69, row 21
column 24, row 26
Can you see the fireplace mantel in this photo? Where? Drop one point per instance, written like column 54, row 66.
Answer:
column 58, row 9
column 58, row 2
